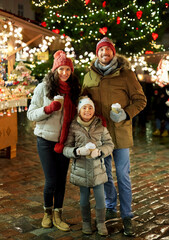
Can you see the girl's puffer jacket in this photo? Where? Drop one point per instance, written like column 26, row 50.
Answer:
column 86, row 171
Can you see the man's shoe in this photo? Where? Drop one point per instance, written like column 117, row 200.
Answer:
column 165, row 133
column 110, row 214
column 128, row 229
column 157, row 132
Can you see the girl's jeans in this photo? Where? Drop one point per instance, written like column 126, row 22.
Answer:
column 98, row 194
column 55, row 167
column 122, row 164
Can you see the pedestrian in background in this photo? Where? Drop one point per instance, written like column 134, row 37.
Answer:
column 88, row 169
column 161, row 107
column 53, row 118
column 109, row 81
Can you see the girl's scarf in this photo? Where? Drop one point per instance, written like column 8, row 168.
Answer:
column 69, row 111
column 105, row 70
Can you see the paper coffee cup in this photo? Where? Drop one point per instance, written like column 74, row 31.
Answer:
column 115, row 107
column 60, row 99
column 91, row 146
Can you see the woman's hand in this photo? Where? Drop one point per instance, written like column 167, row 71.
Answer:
column 54, row 106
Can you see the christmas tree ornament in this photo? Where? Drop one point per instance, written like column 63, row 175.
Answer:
column 139, row 14
column 103, row 30
column 154, row 36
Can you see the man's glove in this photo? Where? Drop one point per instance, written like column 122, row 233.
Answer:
column 96, row 153
column 54, row 106
column 118, row 117
column 82, row 151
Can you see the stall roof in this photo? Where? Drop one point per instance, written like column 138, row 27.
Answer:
column 32, row 31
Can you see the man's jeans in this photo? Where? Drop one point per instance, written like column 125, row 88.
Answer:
column 122, row 164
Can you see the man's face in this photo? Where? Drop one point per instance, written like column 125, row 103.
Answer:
column 105, row 55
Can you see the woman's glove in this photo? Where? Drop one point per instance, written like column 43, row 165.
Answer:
column 118, row 117
column 82, row 151
column 96, row 153
column 54, row 106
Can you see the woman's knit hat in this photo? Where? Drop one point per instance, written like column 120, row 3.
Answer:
column 105, row 42
column 83, row 101
column 60, row 59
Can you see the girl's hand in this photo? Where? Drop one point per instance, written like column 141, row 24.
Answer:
column 96, row 153
column 82, row 151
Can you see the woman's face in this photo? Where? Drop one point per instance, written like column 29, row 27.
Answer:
column 64, row 73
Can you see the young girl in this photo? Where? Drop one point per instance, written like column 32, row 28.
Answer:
column 88, row 169
column 52, row 123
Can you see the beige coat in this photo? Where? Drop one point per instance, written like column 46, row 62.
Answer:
column 122, row 87
column 87, row 171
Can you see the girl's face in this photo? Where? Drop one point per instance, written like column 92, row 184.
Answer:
column 64, row 73
column 86, row 112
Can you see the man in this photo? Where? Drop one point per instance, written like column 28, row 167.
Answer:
column 110, row 80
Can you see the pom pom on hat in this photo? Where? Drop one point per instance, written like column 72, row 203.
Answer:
column 105, row 42
column 59, row 147
column 60, row 59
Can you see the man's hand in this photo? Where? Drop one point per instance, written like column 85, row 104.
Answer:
column 118, row 117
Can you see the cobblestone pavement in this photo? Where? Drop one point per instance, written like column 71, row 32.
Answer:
column 21, row 192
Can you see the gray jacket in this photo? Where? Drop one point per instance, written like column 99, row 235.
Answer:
column 48, row 126
column 86, row 171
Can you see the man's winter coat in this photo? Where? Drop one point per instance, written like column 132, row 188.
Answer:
column 121, row 86
column 87, row 171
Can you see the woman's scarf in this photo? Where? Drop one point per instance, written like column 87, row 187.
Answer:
column 69, row 111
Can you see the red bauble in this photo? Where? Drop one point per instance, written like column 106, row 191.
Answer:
column 148, row 52
column 154, row 36
column 87, row 2
column 57, row 31
column 104, row 4
column 118, row 20
column 103, row 30
column 139, row 14
column 43, row 24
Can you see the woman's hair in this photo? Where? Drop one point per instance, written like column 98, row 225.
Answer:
column 52, row 86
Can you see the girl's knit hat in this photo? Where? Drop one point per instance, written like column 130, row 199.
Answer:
column 60, row 59
column 105, row 42
column 84, row 101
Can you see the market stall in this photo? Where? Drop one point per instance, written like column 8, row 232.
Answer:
column 20, row 40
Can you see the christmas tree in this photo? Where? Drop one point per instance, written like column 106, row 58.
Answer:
column 134, row 26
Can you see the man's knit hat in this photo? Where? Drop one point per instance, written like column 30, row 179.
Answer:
column 105, row 42
column 60, row 59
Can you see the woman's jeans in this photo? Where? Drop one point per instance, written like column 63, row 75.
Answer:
column 55, row 167
column 98, row 194
column 122, row 164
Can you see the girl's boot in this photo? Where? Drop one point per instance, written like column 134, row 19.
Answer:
column 57, row 220
column 86, row 216
column 47, row 218
column 100, row 219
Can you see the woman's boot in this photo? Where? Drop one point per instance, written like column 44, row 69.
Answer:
column 100, row 219
column 86, row 216
column 57, row 220
column 47, row 218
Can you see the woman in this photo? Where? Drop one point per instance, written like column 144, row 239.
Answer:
column 52, row 125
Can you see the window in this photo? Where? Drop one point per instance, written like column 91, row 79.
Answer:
column 20, row 10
